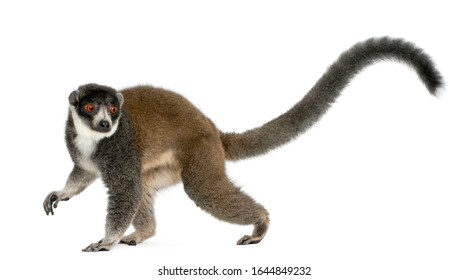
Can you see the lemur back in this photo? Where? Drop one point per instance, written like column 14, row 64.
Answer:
column 165, row 121
column 142, row 139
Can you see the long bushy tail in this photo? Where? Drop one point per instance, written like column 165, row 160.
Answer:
column 316, row 102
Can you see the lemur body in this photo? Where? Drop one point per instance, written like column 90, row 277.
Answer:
column 142, row 139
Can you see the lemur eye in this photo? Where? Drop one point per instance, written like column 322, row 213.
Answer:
column 90, row 108
column 113, row 109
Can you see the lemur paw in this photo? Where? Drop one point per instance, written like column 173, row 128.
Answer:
column 137, row 237
column 128, row 242
column 247, row 239
column 51, row 201
column 96, row 247
column 130, row 239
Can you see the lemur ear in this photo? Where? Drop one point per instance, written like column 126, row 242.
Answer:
column 73, row 98
column 120, row 98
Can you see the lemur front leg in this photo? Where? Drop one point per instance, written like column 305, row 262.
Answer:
column 78, row 180
column 124, row 198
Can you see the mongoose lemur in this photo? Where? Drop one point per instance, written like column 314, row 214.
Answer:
column 142, row 139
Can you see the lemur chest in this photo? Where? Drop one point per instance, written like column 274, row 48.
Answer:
column 86, row 146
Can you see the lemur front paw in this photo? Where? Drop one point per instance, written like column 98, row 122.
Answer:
column 96, row 247
column 52, row 200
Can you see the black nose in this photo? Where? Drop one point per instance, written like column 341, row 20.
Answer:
column 104, row 124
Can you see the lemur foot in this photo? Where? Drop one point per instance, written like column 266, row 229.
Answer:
column 137, row 237
column 96, row 247
column 247, row 239
column 129, row 242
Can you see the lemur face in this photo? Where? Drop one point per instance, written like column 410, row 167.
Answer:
column 97, row 108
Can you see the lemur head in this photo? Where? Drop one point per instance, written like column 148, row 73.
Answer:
column 95, row 110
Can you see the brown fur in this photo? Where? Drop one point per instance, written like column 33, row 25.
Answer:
column 178, row 143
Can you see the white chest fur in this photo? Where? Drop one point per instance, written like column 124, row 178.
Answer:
column 86, row 147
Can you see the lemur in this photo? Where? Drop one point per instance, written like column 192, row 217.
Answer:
column 142, row 139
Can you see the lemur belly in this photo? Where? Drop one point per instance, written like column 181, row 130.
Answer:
column 160, row 171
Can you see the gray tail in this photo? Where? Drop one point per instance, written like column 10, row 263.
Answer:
column 316, row 102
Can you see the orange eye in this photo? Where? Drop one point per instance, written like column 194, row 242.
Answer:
column 90, row 108
column 113, row 109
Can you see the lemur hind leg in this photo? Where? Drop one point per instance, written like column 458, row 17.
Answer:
column 206, row 183
column 144, row 221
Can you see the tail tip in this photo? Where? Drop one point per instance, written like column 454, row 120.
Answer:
column 436, row 85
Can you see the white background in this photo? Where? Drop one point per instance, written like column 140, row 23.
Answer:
column 377, row 190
